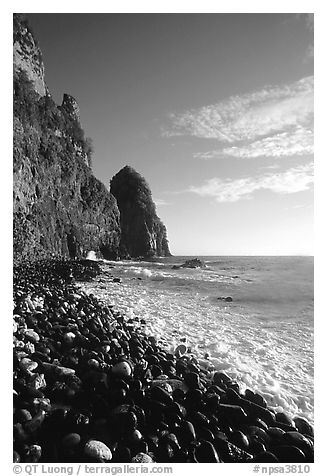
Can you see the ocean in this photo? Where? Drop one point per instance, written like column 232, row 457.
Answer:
column 263, row 338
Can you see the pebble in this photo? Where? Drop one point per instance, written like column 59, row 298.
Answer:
column 122, row 369
column 97, row 451
column 32, row 336
column 142, row 458
column 71, row 440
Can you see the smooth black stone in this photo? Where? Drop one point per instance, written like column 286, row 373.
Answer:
column 283, row 418
column 239, row 439
column 233, row 412
column 206, row 453
column 186, row 433
column 164, row 453
column 220, row 377
column 192, row 380
column 205, row 434
column 178, row 395
column 303, row 426
column 212, row 402
column 265, row 457
column 256, row 445
column 294, row 438
column 289, row 454
column 122, row 454
column 259, row 433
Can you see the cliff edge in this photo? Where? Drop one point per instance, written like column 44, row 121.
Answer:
column 60, row 208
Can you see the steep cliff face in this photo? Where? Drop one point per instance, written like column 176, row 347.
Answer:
column 59, row 206
column 142, row 233
column 27, row 55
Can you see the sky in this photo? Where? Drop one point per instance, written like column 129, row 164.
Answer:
column 214, row 110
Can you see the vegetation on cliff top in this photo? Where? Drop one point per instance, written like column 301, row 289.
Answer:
column 59, row 206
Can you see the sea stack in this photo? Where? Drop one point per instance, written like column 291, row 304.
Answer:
column 142, row 232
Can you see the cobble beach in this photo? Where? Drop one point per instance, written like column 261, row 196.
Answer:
column 93, row 383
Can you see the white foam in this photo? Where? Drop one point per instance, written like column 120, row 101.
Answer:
column 91, row 256
column 270, row 359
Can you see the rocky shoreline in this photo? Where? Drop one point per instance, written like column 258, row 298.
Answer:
column 91, row 387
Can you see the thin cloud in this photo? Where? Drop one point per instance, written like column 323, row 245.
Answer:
column 309, row 25
column 285, row 144
column 160, row 202
column 299, row 142
column 273, row 115
column 296, row 179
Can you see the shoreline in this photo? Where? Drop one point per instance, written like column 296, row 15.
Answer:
column 169, row 408
column 231, row 336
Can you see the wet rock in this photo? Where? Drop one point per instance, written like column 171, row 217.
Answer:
column 294, row 438
column 191, row 263
column 192, row 380
column 303, row 426
column 206, row 453
column 256, row 445
column 259, row 433
column 161, row 395
column 257, row 411
column 180, row 350
column 220, row 378
column 275, row 433
column 234, row 412
column 186, row 433
column 289, row 454
column 239, row 439
column 283, row 418
column 265, row 457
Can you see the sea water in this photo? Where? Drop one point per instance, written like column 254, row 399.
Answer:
column 263, row 338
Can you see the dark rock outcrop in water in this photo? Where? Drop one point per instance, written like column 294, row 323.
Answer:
column 60, row 208
column 143, row 233
column 191, row 263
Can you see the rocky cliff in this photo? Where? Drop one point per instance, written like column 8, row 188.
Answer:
column 60, row 208
column 142, row 233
